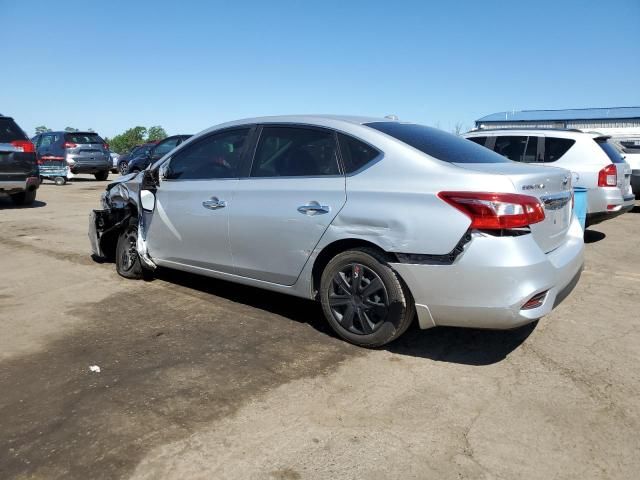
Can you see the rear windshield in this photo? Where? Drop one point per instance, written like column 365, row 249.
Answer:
column 10, row 131
column 83, row 138
column 610, row 150
column 441, row 145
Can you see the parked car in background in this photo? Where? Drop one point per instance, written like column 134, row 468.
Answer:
column 144, row 158
column 19, row 177
column 114, row 161
column 123, row 161
column 629, row 147
column 599, row 166
column 376, row 219
column 84, row 152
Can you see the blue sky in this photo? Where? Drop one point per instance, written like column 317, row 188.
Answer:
column 188, row 65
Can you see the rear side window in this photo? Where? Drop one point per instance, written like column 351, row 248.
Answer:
column 555, row 148
column 438, row 144
column 511, row 147
column 10, row 131
column 610, row 150
column 83, row 138
column 478, row 140
column 355, row 154
column 295, row 152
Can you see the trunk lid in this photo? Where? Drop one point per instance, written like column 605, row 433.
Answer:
column 550, row 185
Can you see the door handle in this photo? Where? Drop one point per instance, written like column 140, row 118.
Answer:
column 314, row 208
column 214, row 203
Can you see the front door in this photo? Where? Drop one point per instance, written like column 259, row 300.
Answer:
column 294, row 191
column 190, row 223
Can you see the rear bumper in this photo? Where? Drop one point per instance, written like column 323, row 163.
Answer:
column 605, row 203
column 492, row 279
column 85, row 165
column 19, row 185
column 599, row 217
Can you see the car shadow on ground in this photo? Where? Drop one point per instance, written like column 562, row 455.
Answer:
column 467, row 346
column 635, row 209
column 443, row 344
column 593, row 236
column 7, row 204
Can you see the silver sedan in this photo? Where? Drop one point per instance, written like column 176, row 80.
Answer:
column 381, row 221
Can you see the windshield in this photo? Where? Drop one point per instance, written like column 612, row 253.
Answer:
column 438, row 144
column 610, row 150
column 9, row 131
column 83, row 138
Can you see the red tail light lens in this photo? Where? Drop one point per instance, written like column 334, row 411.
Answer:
column 496, row 211
column 106, row 146
column 25, row 145
column 608, row 176
column 69, row 145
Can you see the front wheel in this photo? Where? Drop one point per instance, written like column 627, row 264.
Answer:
column 363, row 299
column 128, row 264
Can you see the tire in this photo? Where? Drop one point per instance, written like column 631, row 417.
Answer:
column 123, row 168
column 128, row 264
column 24, row 198
column 102, row 175
column 377, row 318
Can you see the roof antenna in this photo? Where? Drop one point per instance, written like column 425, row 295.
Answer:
column 391, row 117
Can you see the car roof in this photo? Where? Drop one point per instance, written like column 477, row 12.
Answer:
column 561, row 132
column 308, row 119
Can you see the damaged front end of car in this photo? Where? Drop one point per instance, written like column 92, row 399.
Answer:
column 123, row 204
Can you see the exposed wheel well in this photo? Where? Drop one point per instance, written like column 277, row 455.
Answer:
column 339, row 246
column 109, row 240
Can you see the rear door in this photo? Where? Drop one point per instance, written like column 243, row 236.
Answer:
column 87, row 148
column 294, row 191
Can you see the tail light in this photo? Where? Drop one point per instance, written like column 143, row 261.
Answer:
column 25, row 145
column 496, row 211
column 106, row 146
column 69, row 145
column 608, row 176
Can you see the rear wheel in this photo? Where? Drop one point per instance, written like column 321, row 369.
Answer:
column 102, row 175
column 363, row 299
column 128, row 262
column 24, row 198
column 123, row 167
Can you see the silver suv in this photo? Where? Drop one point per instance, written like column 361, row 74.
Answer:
column 376, row 219
column 592, row 156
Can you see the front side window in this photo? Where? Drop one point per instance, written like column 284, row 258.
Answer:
column 555, row 148
column 355, row 154
column 436, row 143
column 216, row 156
column 295, row 152
column 511, row 147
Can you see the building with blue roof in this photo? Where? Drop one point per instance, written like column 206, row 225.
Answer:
column 618, row 121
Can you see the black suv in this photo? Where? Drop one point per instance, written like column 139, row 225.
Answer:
column 84, row 152
column 145, row 158
column 19, row 176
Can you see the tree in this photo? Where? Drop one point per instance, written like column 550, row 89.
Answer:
column 156, row 133
column 457, row 128
column 70, row 129
column 126, row 141
column 42, row 129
